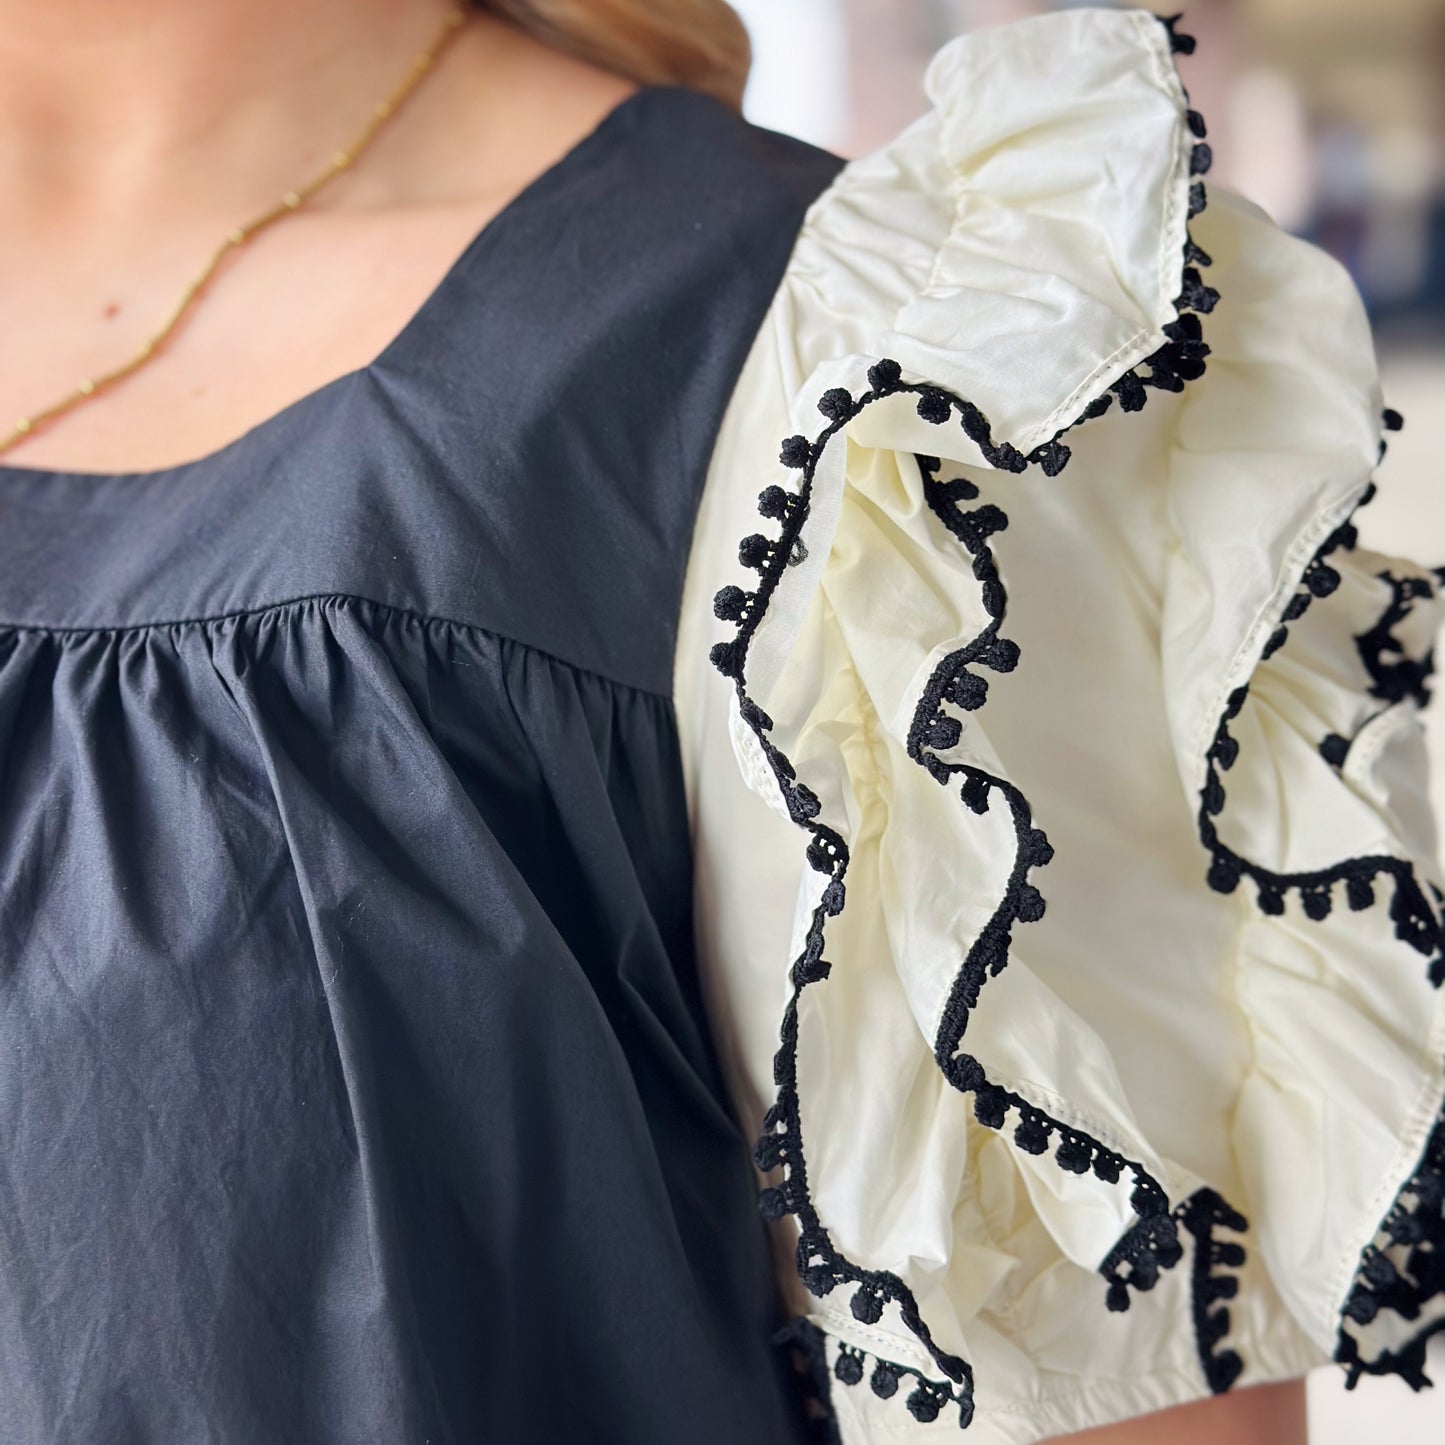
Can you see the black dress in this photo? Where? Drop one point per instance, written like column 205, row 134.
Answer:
column 354, row 1081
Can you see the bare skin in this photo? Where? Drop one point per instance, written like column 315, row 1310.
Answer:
column 134, row 135
column 1260, row 1415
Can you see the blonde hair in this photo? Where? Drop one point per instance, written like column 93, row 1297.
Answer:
column 701, row 44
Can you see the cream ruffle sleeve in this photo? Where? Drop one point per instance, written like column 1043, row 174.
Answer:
column 1066, row 886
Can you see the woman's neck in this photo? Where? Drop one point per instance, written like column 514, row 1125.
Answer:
column 128, row 153
column 111, row 107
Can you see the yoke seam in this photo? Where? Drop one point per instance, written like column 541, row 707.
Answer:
column 295, row 603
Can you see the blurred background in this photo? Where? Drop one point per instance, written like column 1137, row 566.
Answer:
column 1331, row 115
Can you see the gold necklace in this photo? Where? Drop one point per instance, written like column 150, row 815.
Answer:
column 292, row 201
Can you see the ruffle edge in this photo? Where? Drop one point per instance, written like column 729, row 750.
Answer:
column 1153, row 1243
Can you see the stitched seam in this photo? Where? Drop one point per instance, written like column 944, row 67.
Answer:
column 1427, row 1109
column 310, row 598
column 1246, row 655
column 1170, row 262
column 1372, row 739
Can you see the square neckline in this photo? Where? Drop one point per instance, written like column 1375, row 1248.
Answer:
column 491, row 231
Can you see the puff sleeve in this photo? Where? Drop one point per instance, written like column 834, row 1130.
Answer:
column 1066, row 888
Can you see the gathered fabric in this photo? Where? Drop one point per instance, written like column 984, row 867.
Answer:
column 355, row 1079
column 1066, row 886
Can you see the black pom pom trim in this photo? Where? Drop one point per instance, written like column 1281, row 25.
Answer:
column 1401, row 1271
column 1418, row 918
column 1403, row 1268
column 1179, row 43
column 1153, row 1242
column 1394, row 675
column 1153, row 1245
column 926, row 1401
column 1202, row 1215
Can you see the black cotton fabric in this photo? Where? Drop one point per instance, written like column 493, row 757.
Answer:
column 354, row 1079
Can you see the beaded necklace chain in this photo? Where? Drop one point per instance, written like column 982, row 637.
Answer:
column 241, row 236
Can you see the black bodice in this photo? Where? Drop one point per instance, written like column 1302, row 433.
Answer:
column 354, row 1081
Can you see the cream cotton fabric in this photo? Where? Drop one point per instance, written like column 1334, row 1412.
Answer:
column 1066, row 886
